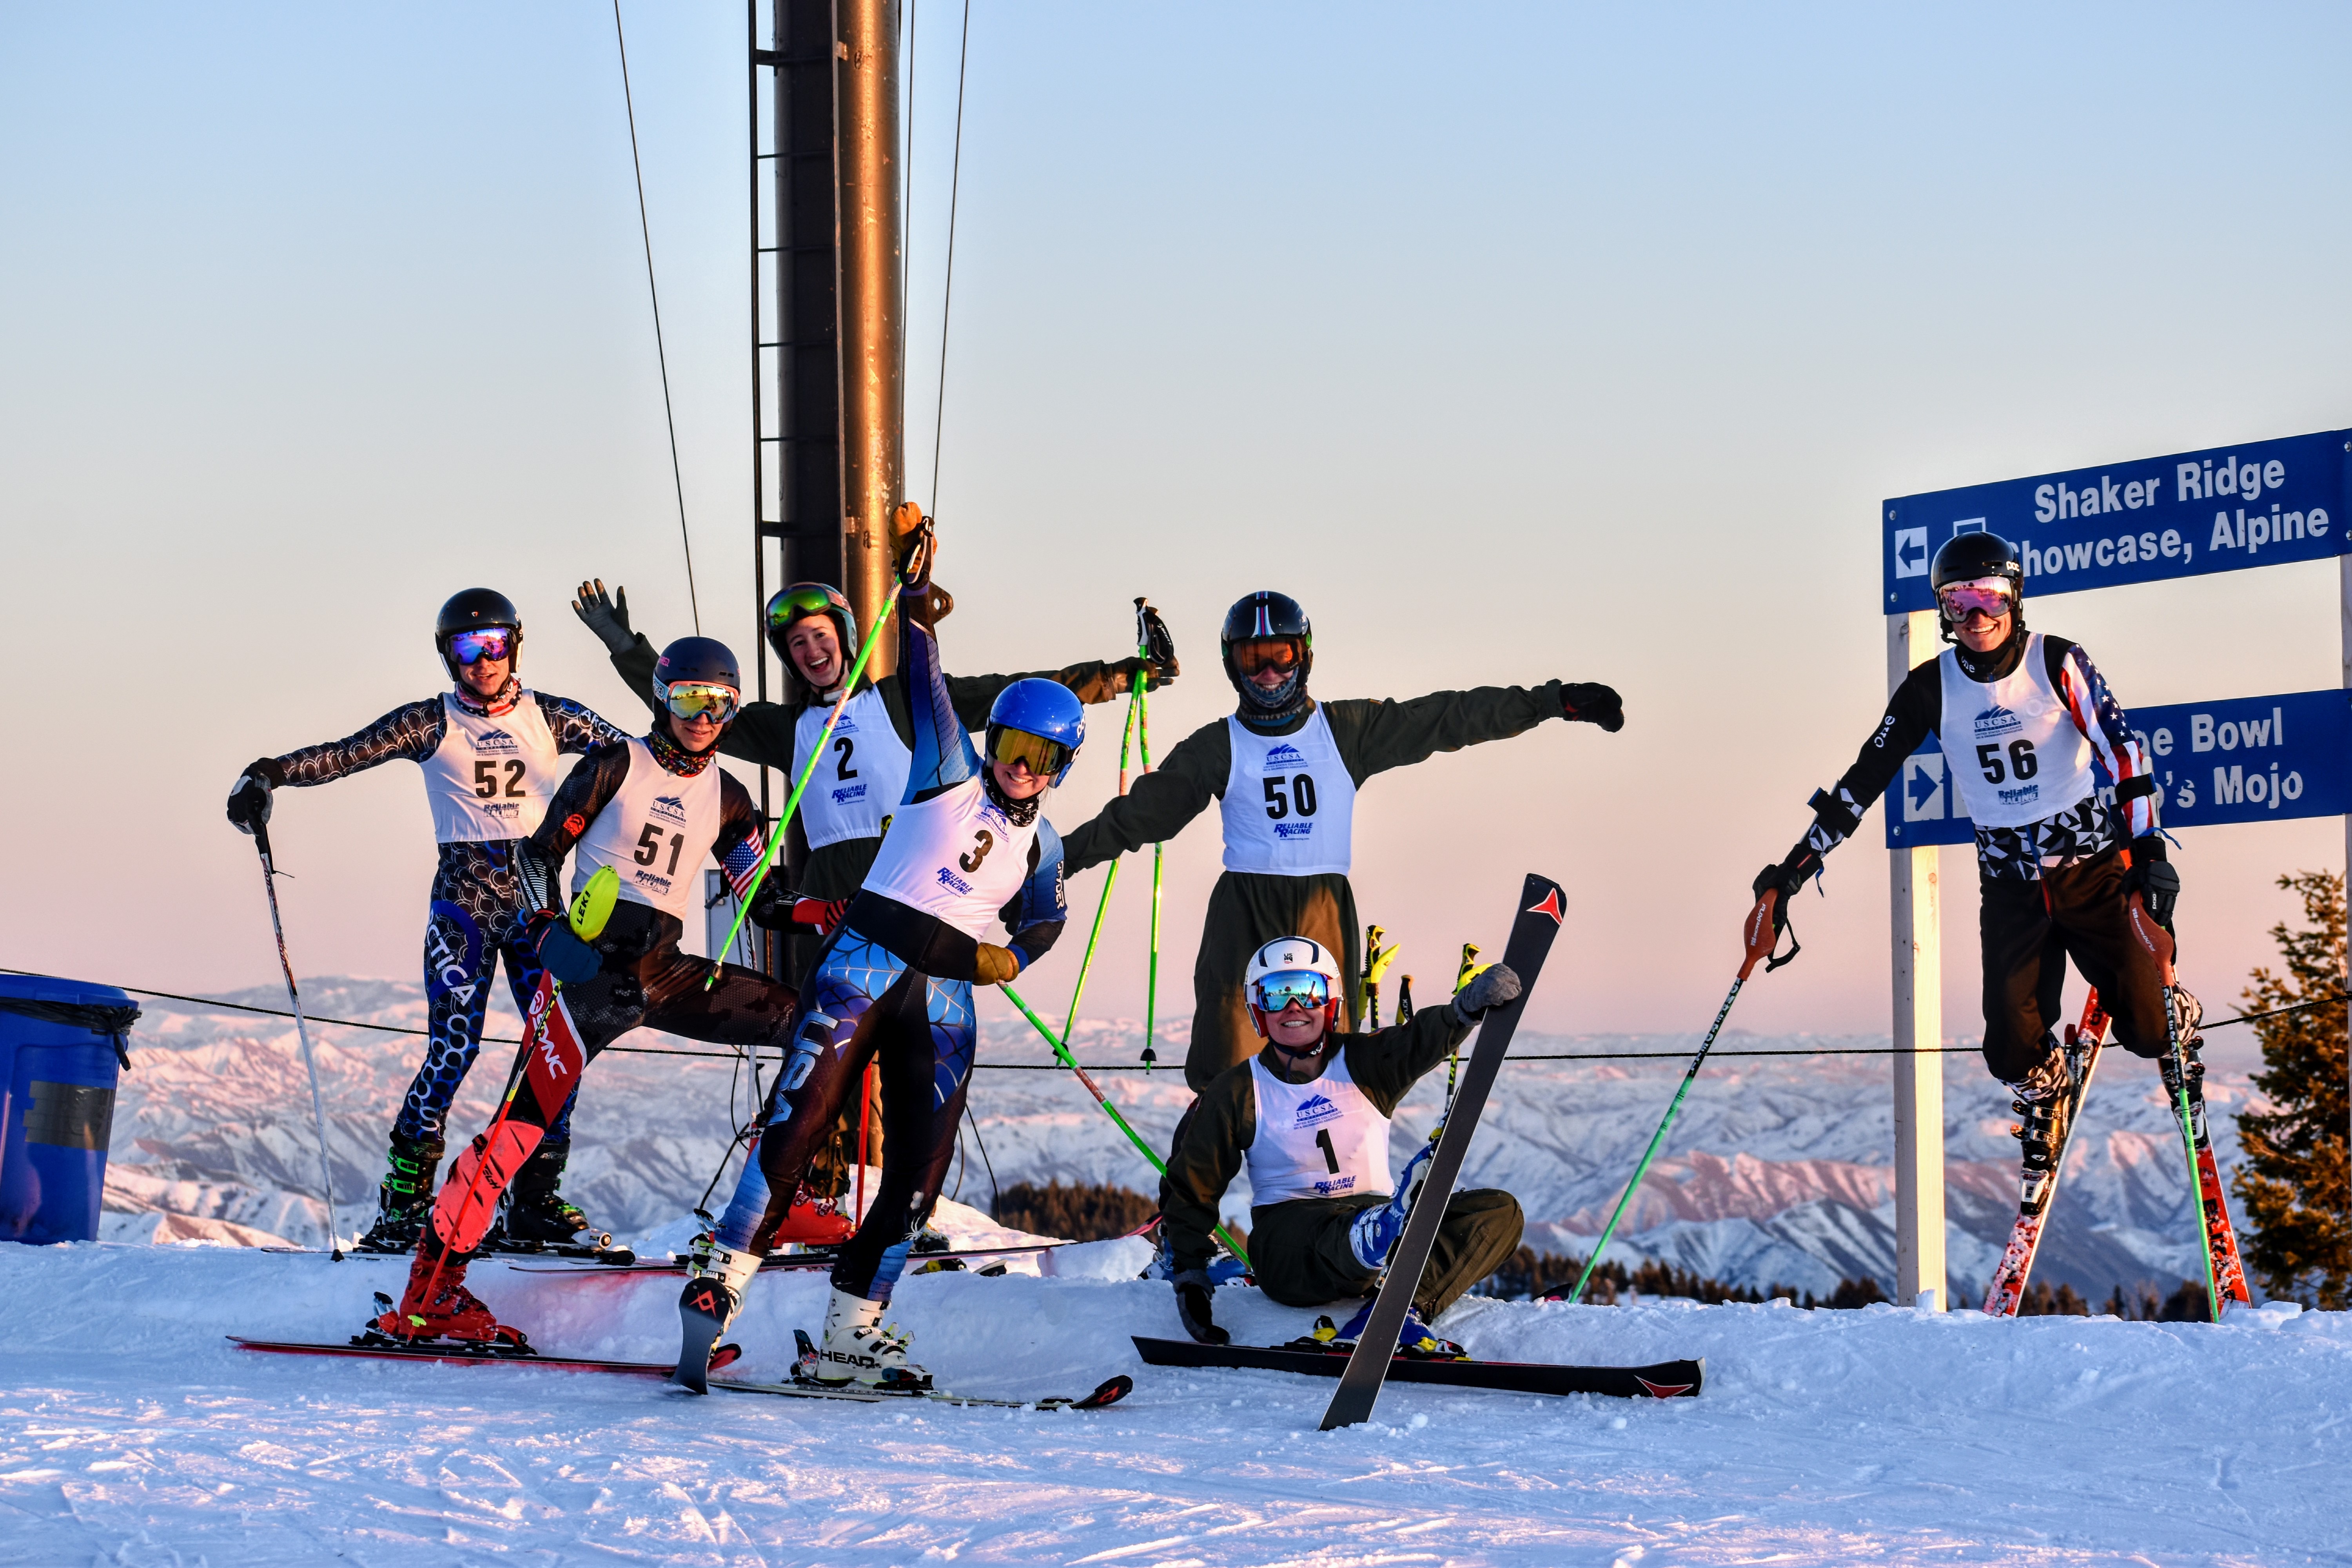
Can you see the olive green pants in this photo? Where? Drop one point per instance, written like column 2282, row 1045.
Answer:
column 1299, row 1253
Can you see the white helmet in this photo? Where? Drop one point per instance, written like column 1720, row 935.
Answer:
column 1289, row 956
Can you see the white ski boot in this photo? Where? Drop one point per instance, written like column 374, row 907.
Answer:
column 858, row 1348
column 717, row 1280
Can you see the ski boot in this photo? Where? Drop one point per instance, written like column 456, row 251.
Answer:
column 1414, row 1340
column 405, row 1199
column 2188, row 1013
column 858, row 1348
column 437, row 1306
column 535, row 1216
column 716, row 1282
column 2045, row 1101
column 1374, row 1233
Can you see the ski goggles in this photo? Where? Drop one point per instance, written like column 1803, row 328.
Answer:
column 1044, row 758
column 1279, row 990
column 490, row 642
column 1990, row 594
column 702, row 700
column 787, row 608
column 1279, row 654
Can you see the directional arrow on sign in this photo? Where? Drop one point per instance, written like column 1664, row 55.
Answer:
column 1922, row 787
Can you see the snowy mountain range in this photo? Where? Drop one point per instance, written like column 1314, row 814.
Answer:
column 1776, row 1172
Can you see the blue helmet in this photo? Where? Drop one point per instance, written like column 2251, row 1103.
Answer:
column 1042, row 710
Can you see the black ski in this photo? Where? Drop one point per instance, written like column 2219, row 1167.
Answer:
column 1666, row 1380
column 1536, row 923
column 804, row 1385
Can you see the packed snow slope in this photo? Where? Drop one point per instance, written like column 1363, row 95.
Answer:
column 1777, row 1172
column 132, row 1431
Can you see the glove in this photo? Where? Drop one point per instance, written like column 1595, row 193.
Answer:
column 1193, row 1289
column 994, row 965
column 607, row 616
column 1774, row 886
column 1125, row 672
column 1158, row 646
column 912, row 543
column 778, row 908
column 1589, row 702
column 548, row 937
column 2155, row 882
column 1489, row 988
column 248, row 802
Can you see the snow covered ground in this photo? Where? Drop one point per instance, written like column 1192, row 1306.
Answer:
column 132, row 1433
column 1778, row 1172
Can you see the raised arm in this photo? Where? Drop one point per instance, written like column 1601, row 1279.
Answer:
column 944, row 754
column 1387, row 1063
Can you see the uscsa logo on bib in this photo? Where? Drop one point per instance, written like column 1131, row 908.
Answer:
column 669, row 808
column 1314, row 1109
column 1284, row 757
column 497, row 742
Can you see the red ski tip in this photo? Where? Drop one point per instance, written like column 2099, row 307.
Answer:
column 1665, row 1390
column 1547, row 905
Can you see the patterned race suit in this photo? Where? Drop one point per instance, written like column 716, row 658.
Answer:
column 894, row 982
column 475, row 898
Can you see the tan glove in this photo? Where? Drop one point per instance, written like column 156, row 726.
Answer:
column 912, row 543
column 994, row 965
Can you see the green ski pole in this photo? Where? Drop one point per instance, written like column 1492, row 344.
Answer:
column 1110, row 881
column 1112, row 1110
column 1762, row 931
column 792, row 802
column 2158, row 942
column 1159, row 851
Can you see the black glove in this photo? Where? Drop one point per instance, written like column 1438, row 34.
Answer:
column 772, row 906
column 2155, row 882
column 248, row 802
column 1589, row 702
column 606, row 616
column 1157, row 645
column 1193, row 1289
column 549, row 937
column 1489, row 988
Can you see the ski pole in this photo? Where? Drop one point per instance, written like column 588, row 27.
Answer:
column 1159, row 851
column 1110, row 881
column 1462, row 976
column 1112, row 1110
column 1760, row 936
column 793, row 801
column 301, row 1033
column 2158, row 942
column 1377, row 959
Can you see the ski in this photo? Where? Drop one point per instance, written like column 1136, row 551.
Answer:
column 379, row 1348
column 1666, row 1380
column 1537, row 922
column 822, row 1258
column 805, row 1385
column 2228, row 1273
column 2083, row 1045
column 1107, row 1392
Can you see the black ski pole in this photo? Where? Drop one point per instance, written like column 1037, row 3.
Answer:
column 302, row 1032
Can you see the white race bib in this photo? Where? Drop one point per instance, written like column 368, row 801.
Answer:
column 2011, row 744
column 1289, row 806
column 492, row 776
column 1318, row 1140
column 655, row 833
column 862, row 777
column 957, row 857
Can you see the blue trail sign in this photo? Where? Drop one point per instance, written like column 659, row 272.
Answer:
column 2246, row 759
column 2258, row 504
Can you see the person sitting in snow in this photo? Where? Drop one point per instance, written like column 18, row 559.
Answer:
column 1309, row 1115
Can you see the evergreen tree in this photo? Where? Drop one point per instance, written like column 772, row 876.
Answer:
column 2292, row 1184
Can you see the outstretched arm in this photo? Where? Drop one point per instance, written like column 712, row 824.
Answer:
column 1374, row 737
column 1160, row 804
column 1912, row 715
column 408, row 733
column 578, row 728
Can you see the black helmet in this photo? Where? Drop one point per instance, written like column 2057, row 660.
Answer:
column 473, row 610
column 799, row 601
column 1262, row 615
column 696, row 660
column 1966, row 557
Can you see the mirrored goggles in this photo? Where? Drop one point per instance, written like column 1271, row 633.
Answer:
column 490, row 642
column 1045, row 759
column 1280, row 989
column 700, row 699
column 1280, row 654
column 786, row 608
column 1990, row 594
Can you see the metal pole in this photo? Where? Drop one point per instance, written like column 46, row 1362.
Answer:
column 301, row 1033
column 2343, row 612
column 1917, row 942
column 873, row 311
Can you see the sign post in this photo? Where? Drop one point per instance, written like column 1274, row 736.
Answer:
column 2245, row 759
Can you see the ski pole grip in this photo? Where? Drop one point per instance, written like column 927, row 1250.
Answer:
column 1761, row 933
column 2152, row 936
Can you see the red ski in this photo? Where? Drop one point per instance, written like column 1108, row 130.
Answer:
column 2084, row 1044
column 376, row 1347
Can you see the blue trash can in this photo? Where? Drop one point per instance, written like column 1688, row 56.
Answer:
column 61, row 1044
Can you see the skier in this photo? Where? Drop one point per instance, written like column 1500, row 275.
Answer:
column 487, row 750
column 1309, row 1116
column 969, row 846
column 814, row 633
column 1287, row 769
column 2021, row 715
column 651, row 809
